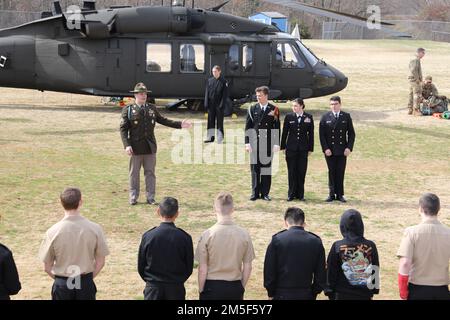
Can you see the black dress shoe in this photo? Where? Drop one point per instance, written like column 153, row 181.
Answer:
column 210, row 140
column 133, row 202
column 290, row 199
column 301, row 199
column 266, row 198
column 342, row 199
column 330, row 199
column 254, row 198
column 152, row 202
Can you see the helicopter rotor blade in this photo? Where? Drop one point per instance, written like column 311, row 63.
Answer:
column 345, row 17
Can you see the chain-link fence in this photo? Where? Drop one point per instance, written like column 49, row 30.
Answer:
column 421, row 30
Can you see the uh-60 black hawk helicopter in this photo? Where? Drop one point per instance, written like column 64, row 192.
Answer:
column 170, row 48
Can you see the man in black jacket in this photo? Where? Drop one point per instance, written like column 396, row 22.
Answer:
column 298, row 141
column 294, row 267
column 337, row 137
column 9, row 278
column 137, row 130
column 216, row 95
column 166, row 256
column 262, row 140
column 352, row 265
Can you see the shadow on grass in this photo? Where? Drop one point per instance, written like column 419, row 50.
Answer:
column 69, row 133
column 16, row 120
column 420, row 131
column 99, row 109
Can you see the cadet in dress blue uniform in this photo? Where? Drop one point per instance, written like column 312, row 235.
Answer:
column 262, row 139
column 298, row 141
column 166, row 256
column 294, row 267
column 337, row 137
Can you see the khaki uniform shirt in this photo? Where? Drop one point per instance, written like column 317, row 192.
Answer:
column 415, row 68
column 428, row 246
column 224, row 248
column 73, row 244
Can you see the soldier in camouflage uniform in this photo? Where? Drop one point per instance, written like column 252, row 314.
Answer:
column 432, row 101
column 415, row 80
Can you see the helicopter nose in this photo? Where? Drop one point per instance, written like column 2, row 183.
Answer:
column 341, row 80
column 329, row 80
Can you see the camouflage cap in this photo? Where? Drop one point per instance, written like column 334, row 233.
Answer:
column 140, row 87
column 430, row 78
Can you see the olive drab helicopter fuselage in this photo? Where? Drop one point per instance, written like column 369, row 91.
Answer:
column 170, row 48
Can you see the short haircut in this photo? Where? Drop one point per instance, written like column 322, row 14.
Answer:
column 224, row 203
column 70, row 198
column 218, row 68
column 430, row 204
column 294, row 216
column 420, row 50
column 168, row 208
column 263, row 89
column 336, row 98
column 300, row 102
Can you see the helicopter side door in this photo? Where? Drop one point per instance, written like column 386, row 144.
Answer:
column 291, row 73
column 247, row 67
column 172, row 69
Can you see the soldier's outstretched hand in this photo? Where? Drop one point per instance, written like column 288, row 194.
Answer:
column 186, row 124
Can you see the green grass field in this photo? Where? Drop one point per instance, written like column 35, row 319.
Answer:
column 50, row 141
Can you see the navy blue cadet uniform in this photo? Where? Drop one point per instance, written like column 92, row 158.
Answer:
column 294, row 266
column 298, row 140
column 336, row 135
column 165, row 262
column 9, row 278
column 262, row 132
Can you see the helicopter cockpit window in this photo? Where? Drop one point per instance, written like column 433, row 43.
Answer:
column 233, row 57
column 159, row 57
column 247, row 58
column 288, row 56
column 312, row 59
column 192, row 57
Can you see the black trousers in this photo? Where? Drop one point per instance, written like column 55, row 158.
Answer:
column 222, row 290
column 417, row 292
column 261, row 179
column 294, row 294
column 66, row 289
column 215, row 115
column 164, row 291
column 336, row 173
column 297, row 164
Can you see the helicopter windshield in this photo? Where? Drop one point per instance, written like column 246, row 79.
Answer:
column 312, row 59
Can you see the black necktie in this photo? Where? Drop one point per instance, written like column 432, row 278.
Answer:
column 336, row 115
